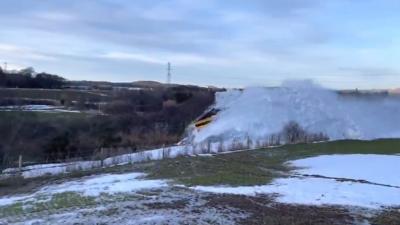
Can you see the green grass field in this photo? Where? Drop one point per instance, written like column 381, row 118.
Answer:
column 257, row 166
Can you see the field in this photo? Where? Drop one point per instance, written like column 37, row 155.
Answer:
column 54, row 94
column 259, row 166
column 170, row 198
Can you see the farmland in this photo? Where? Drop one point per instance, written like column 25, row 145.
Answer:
column 236, row 169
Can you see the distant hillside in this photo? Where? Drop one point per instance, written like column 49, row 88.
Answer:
column 147, row 84
column 395, row 91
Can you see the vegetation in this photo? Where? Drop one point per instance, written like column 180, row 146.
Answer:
column 257, row 167
column 236, row 168
column 387, row 217
column 58, row 201
column 27, row 78
column 134, row 119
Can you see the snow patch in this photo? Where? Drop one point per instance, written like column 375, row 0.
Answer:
column 92, row 186
column 319, row 191
column 107, row 183
column 382, row 169
column 37, row 108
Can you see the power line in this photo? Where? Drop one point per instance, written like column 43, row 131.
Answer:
column 169, row 73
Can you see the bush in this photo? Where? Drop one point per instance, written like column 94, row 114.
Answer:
column 293, row 133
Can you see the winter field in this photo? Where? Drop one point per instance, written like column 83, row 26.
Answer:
column 246, row 167
column 340, row 182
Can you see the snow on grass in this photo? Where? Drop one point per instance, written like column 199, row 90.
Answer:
column 316, row 191
column 37, row 108
column 91, row 186
column 320, row 191
column 161, row 206
column 382, row 169
column 51, row 169
column 107, row 183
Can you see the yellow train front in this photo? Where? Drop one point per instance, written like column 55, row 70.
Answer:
column 205, row 119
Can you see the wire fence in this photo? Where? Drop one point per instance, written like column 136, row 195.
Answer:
column 23, row 161
column 105, row 157
column 37, row 170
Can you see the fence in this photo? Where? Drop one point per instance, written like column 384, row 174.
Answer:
column 138, row 156
column 20, row 162
column 102, row 159
column 66, row 167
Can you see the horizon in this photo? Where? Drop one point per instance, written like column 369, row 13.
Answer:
column 340, row 45
column 394, row 90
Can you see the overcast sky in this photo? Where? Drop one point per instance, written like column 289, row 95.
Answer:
column 235, row 43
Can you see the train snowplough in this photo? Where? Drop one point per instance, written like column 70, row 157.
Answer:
column 206, row 119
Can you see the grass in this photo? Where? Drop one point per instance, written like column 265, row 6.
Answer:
column 61, row 201
column 388, row 217
column 236, row 168
column 257, row 166
column 53, row 203
column 57, row 201
column 264, row 211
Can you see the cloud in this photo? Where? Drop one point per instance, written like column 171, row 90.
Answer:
column 258, row 40
column 164, row 58
column 54, row 16
column 26, row 53
column 278, row 8
column 370, row 71
column 132, row 56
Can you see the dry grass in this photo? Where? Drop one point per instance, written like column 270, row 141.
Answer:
column 388, row 217
column 264, row 211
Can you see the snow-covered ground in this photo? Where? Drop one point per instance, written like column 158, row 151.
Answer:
column 114, row 199
column 381, row 169
column 91, row 186
column 359, row 180
column 371, row 181
column 37, row 108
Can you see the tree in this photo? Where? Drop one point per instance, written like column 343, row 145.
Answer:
column 27, row 71
column 293, row 133
column 44, row 80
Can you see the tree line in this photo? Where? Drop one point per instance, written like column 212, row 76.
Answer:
column 28, row 78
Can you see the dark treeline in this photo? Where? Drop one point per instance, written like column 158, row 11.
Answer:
column 27, row 78
column 137, row 119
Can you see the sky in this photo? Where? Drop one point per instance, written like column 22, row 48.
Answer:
column 338, row 43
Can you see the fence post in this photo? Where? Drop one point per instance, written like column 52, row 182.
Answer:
column 20, row 163
column 102, row 156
